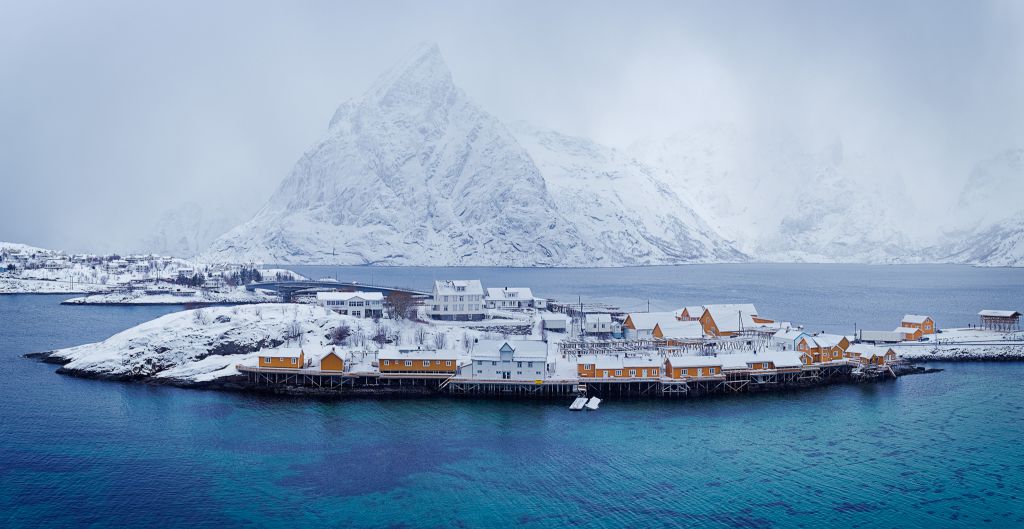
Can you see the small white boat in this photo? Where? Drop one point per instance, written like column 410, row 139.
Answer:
column 592, row 403
column 578, row 403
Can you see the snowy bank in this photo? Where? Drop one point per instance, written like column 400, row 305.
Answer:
column 201, row 346
column 965, row 344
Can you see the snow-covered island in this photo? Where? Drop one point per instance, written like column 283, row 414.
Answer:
column 966, row 344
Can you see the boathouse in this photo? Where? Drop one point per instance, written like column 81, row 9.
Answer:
column 999, row 320
column 282, row 357
column 918, row 321
column 421, row 361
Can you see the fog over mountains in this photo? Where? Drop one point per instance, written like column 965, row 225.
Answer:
column 415, row 173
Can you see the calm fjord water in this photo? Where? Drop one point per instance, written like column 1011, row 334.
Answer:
column 939, row 450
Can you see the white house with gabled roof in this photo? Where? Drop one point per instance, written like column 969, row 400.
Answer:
column 508, row 360
column 358, row 304
column 513, row 298
column 457, row 300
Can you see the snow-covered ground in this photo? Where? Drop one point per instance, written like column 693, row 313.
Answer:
column 204, row 344
column 965, row 344
column 197, row 297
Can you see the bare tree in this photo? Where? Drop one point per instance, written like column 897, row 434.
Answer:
column 401, row 306
column 201, row 317
column 293, row 331
column 420, row 335
column 440, row 340
column 380, row 335
column 340, row 334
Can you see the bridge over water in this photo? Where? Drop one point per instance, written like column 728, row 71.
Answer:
column 287, row 289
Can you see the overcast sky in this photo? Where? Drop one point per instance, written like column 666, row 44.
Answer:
column 113, row 112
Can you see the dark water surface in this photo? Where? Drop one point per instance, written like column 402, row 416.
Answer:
column 941, row 450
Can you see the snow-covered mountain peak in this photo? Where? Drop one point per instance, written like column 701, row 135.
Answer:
column 414, row 173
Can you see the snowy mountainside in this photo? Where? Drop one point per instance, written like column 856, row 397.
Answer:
column 783, row 200
column 621, row 202
column 987, row 227
column 187, row 230
column 414, row 173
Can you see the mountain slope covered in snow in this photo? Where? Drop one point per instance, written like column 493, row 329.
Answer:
column 414, row 173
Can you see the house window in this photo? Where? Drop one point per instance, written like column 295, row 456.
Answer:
column 711, row 370
column 408, row 363
column 295, row 361
column 654, row 372
column 519, row 372
column 519, row 364
column 588, row 366
column 426, row 363
column 448, row 362
column 529, row 364
column 618, row 372
column 266, row 359
column 494, row 363
column 387, row 362
column 632, row 372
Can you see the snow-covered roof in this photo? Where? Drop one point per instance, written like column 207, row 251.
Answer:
column 828, row 340
column 416, row 354
column 729, row 318
column 906, row 330
column 521, row 349
column 646, row 321
column 348, row 296
column 881, row 336
column 458, row 287
column 746, row 308
column 914, row 318
column 598, row 317
column 694, row 361
column 781, row 359
column 999, row 313
column 609, row 361
column 510, row 293
column 681, row 329
column 282, row 352
column 788, row 335
column 694, row 311
column 867, row 350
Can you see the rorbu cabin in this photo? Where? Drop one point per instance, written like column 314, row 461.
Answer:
column 418, row 361
column 871, row 355
column 787, row 339
column 690, row 313
column 640, row 325
column 763, row 361
column 917, row 321
column 808, row 346
column 332, row 361
column 282, row 358
column 618, row 366
column 831, row 347
column 678, row 330
column 686, row 367
column 909, row 333
column 728, row 320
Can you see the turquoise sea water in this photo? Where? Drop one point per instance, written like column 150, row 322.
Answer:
column 939, row 450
